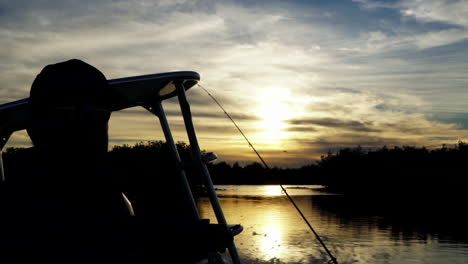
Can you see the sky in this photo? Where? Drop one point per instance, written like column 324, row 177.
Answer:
column 301, row 78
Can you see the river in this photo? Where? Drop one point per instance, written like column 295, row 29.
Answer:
column 274, row 232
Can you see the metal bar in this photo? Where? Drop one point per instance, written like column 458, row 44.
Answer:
column 187, row 115
column 158, row 110
column 3, row 141
column 2, row 172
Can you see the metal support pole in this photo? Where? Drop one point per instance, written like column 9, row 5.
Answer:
column 158, row 110
column 187, row 115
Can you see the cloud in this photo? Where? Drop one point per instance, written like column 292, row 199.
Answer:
column 453, row 12
column 366, row 119
column 337, row 123
column 380, row 73
column 445, row 22
column 449, row 11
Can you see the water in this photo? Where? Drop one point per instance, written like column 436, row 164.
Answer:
column 275, row 233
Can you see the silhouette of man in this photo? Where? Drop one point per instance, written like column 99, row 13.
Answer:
column 66, row 207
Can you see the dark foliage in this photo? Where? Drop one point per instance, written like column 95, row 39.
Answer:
column 403, row 181
column 406, row 169
column 146, row 168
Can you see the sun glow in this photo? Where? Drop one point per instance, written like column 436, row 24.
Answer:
column 273, row 111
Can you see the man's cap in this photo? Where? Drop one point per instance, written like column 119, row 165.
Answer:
column 70, row 83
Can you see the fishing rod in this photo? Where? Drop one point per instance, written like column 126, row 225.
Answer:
column 332, row 258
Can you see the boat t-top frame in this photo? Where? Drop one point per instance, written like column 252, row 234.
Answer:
column 147, row 91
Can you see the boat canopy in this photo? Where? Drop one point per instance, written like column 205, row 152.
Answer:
column 142, row 90
column 145, row 90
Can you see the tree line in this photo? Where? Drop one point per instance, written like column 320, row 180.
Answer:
column 380, row 171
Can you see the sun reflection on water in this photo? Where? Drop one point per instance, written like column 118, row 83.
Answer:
column 271, row 190
column 270, row 234
column 275, row 233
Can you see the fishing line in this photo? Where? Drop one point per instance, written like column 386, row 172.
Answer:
column 333, row 259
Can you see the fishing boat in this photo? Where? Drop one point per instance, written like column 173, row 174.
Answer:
column 149, row 92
